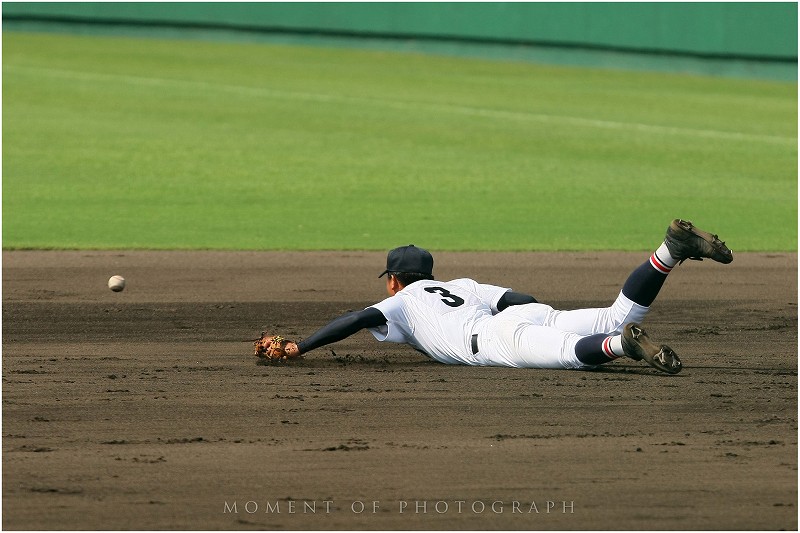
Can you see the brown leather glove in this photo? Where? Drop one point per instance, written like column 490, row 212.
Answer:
column 273, row 347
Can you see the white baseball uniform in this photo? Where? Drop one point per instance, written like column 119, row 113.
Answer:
column 439, row 318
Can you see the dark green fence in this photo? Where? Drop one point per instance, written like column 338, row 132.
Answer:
column 752, row 32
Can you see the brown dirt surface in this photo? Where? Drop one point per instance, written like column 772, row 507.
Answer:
column 145, row 409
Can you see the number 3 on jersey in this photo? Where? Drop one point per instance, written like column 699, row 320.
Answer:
column 447, row 297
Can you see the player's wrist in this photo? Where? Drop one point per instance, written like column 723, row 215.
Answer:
column 292, row 350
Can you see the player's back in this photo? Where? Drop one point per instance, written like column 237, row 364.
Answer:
column 438, row 317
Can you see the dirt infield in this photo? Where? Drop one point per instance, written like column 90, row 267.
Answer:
column 145, row 410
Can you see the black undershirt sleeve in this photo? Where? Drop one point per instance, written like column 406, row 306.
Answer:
column 342, row 327
column 515, row 298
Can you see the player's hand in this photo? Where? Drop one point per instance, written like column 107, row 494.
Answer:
column 292, row 350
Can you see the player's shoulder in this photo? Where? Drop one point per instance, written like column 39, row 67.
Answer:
column 464, row 282
column 460, row 282
column 481, row 290
column 424, row 285
column 421, row 285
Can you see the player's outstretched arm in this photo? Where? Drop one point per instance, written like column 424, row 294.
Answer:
column 338, row 329
column 515, row 298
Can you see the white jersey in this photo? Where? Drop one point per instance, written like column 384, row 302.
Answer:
column 438, row 318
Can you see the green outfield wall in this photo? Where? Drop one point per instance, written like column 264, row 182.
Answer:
column 751, row 37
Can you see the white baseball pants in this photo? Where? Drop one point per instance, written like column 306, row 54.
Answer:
column 538, row 336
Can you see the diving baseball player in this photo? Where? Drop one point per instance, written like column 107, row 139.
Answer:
column 466, row 322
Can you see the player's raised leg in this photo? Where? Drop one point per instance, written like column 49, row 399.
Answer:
column 682, row 241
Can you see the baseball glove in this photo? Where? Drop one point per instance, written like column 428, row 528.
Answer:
column 272, row 348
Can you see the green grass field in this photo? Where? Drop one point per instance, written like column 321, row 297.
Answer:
column 177, row 144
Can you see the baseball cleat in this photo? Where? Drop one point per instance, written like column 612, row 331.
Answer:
column 685, row 241
column 638, row 346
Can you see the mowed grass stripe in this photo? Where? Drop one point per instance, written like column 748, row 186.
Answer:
column 422, row 107
column 144, row 143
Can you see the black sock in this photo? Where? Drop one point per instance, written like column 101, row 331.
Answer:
column 643, row 284
column 589, row 350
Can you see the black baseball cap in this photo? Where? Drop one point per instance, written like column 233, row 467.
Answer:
column 409, row 260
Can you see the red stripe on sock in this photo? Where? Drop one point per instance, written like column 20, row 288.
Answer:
column 607, row 348
column 658, row 265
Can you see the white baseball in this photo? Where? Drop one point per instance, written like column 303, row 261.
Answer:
column 116, row 283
